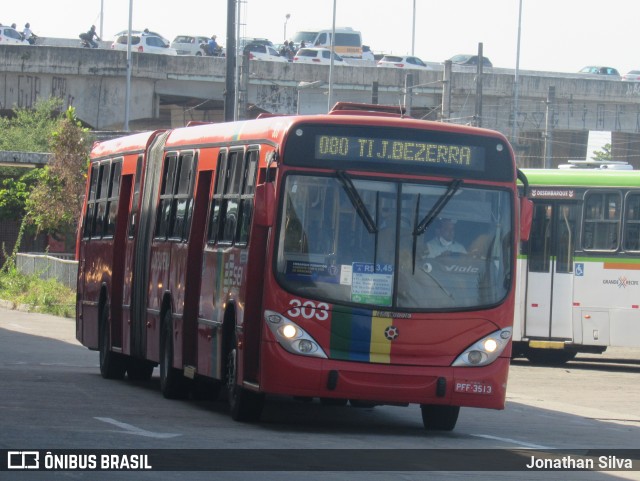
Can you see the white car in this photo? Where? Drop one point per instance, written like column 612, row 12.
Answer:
column 409, row 62
column 264, row 52
column 318, row 56
column 189, row 44
column 10, row 36
column 142, row 42
column 632, row 76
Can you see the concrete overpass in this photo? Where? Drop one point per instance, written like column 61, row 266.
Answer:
column 170, row 91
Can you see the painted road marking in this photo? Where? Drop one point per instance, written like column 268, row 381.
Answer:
column 513, row 441
column 130, row 429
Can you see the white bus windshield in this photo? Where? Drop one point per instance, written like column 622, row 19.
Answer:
column 375, row 254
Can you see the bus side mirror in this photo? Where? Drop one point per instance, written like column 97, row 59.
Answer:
column 265, row 204
column 526, row 217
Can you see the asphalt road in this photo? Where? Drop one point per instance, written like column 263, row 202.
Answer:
column 53, row 397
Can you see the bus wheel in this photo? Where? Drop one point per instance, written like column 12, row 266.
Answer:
column 139, row 369
column 172, row 383
column 112, row 364
column 244, row 405
column 437, row 417
column 549, row 357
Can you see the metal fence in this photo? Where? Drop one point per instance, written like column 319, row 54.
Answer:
column 59, row 266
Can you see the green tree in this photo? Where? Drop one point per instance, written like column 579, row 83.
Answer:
column 25, row 130
column 55, row 203
column 604, row 154
column 30, row 130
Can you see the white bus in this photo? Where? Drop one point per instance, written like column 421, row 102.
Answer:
column 579, row 273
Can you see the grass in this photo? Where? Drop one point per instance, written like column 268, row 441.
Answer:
column 39, row 295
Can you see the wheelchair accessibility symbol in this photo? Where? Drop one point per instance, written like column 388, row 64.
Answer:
column 579, row 269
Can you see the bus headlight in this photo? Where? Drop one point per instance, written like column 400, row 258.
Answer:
column 292, row 337
column 485, row 351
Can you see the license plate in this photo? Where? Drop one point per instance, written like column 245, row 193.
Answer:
column 473, row 387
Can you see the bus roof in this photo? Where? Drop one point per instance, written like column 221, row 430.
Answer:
column 276, row 128
column 128, row 144
column 583, row 177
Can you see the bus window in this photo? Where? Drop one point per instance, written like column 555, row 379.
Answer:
column 183, row 201
column 89, row 219
column 632, row 223
column 369, row 251
column 565, row 238
column 214, row 214
column 248, row 190
column 103, row 194
column 112, row 203
column 540, row 239
column 601, row 221
column 166, row 197
column 231, row 198
column 135, row 207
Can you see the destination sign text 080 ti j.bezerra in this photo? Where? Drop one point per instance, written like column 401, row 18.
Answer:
column 333, row 147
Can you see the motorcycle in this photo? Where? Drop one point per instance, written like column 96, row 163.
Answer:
column 85, row 41
column 206, row 51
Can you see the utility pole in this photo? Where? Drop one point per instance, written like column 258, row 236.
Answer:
column 478, row 111
column 516, row 84
column 408, row 100
column 446, row 91
column 548, row 127
column 230, row 88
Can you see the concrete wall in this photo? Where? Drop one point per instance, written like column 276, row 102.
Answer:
column 170, row 91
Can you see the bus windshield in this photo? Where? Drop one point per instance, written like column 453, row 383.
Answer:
column 395, row 244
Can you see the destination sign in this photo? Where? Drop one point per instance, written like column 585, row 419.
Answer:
column 552, row 193
column 463, row 157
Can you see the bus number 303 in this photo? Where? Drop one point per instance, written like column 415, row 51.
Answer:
column 309, row 309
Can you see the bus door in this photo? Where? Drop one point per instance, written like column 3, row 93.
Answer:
column 549, row 297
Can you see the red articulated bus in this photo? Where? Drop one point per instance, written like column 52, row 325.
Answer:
column 309, row 256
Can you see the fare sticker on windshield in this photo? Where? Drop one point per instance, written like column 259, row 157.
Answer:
column 372, row 284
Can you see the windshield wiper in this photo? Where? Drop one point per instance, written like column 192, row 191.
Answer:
column 357, row 202
column 429, row 218
column 437, row 207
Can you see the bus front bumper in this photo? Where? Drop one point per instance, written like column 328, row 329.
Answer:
column 284, row 373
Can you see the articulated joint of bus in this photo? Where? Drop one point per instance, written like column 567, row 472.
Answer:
column 486, row 350
column 292, row 337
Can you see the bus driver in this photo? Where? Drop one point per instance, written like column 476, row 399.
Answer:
column 444, row 242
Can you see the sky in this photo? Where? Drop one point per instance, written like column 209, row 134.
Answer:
column 555, row 35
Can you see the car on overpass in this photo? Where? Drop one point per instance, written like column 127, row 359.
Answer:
column 406, row 62
column 10, row 36
column 632, row 76
column 264, row 52
column 189, row 44
column 470, row 60
column 608, row 72
column 318, row 56
column 143, row 42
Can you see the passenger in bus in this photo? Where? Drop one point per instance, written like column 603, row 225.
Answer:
column 444, row 242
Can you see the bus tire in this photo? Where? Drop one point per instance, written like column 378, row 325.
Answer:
column 244, row 405
column 172, row 382
column 437, row 417
column 139, row 369
column 112, row 364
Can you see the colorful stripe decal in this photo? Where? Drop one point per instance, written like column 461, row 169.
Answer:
column 621, row 265
column 358, row 335
column 380, row 347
